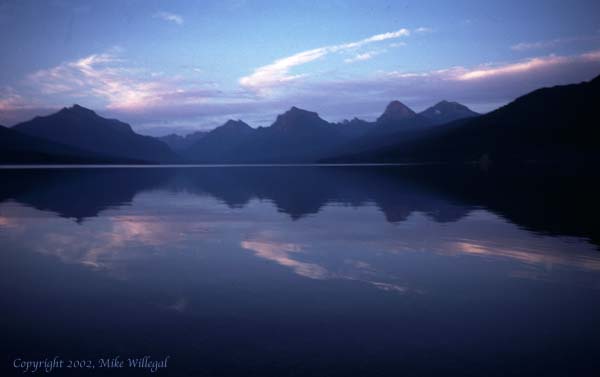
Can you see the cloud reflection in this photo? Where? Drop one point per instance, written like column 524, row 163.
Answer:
column 538, row 257
column 281, row 254
column 338, row 242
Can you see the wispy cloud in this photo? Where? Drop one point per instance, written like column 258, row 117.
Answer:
column 110, row 83
column 482, row 87
column 398, row 44
column 423, row 30
column 16, row 107
column 111, row 78
column 364, row 56
column 539, row 45
column 510, row 69
column 10, row 99
column 278, row 72
column 170, row 17
column 529, row 65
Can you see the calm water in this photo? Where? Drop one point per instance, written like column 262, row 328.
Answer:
column 302, row 271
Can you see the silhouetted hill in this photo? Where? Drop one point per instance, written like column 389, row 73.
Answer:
column 549, row 124
column 300, row 136
column 20, row 148
column 295, row 136
column 354, row 128
column 180, row 143
column 396, row 111
column 546, row 125
column 219, row 144
column 444, row 112
column 396, row 123
column 82, row 128
column 399, row 117
column 299, row 120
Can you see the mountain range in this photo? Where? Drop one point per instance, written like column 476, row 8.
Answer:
column 20, row 148
column 547, row 124
column 301, row 136
column 81, row 128
column 179, row 143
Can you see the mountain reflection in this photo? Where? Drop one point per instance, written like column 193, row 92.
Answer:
column 77, row 193
column 288, row 261
column 562, row 204
column 157, row 212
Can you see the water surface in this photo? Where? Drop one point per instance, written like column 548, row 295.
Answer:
column 303, row 271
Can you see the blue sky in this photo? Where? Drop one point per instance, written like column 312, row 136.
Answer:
column 177, row 66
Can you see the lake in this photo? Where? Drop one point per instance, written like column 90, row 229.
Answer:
column 302, row 271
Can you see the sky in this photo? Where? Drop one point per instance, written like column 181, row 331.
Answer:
column 180, row 66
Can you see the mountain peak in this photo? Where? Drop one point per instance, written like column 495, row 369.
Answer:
column 235, row 123
column 77, row 109
column 82, row 128
column 295, row 117
column 298, row 111
column 449, row 105
column 233, row 126
column 396, row 110
column 446, row 111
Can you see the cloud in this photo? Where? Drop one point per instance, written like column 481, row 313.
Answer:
column 266, row 77
column 484, row 87
column 111, row 78
column 528, row 65
column 364, row 56
column 547, row 66
column 510, row 69
column 423, row 30
column 278, row 72
column 117, row 88
column 170, row 17
column 15, row 107
column 526, row 46
column 9, row 99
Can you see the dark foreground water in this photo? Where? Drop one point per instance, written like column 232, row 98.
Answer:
column 301, row 271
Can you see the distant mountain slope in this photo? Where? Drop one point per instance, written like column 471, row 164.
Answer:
column 296, row 136
column 399, row 122
column 549, row 124
column 354, row 128
column 82, row 128
column 19, row 148
column 219, row 144
column 399, row 117
column 180, row 143
column 396, row 123
column 444, row 112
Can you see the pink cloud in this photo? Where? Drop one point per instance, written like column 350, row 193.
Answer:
column 515, row 68
column 147, row 99
column 110, row 78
